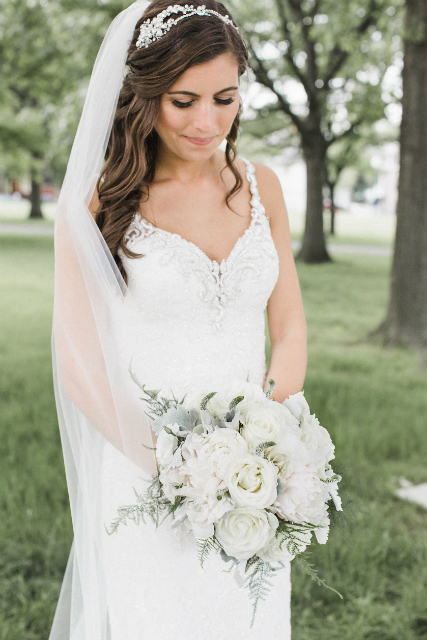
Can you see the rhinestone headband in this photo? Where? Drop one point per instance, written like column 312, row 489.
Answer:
column 152, row 30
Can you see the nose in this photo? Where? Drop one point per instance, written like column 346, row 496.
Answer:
column 203, row 117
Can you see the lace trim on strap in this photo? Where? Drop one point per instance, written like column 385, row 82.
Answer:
column 258, row 209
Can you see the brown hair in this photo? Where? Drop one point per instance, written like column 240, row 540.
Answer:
column 133, row 145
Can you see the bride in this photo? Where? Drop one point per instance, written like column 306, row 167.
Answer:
column 186, row 248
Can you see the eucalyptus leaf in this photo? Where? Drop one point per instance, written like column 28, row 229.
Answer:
column 176, row 415
column 235, row 402
column 259, row 451
column 206, row 399
column 270, row 388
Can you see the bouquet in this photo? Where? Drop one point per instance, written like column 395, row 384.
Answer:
column 250, row 477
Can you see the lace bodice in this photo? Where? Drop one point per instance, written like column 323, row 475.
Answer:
column 193, row 309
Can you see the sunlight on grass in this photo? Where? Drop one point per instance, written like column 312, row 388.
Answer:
column 372, row 400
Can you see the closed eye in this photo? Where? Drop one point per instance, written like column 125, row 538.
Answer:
column 182, row 105
column 224, row 100
column 188, row 103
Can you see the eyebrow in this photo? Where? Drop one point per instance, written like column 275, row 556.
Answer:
column 190, row 93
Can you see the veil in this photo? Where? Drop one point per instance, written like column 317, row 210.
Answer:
column 96, row 399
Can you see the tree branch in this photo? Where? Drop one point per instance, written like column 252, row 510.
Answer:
column 338, row 55
column 261, row 74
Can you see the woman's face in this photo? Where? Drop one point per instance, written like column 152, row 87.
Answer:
column 197, row 112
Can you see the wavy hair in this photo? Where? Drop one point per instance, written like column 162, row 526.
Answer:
column 132, row 150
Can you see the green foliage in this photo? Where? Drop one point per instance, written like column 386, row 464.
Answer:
column 47, row 50
column 258, row 581
column 322, row 65
column 152, row 503
column 205, row 546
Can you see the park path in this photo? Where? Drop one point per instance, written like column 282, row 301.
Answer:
column 334, row 247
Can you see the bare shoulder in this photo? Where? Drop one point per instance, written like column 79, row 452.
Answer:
column 94, row 204
column 270, row 191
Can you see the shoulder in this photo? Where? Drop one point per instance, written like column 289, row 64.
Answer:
column 270, row 192
column 94, row 203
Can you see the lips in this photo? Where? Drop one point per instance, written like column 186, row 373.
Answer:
column 200, row 142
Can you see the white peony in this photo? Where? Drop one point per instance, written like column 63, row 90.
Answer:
column 165, row 448
column 291, row 451
column 266, row 421
column 203, row 514
column 243, row 531
column 297, row 405
column 252, row 481
column 220, row 447
column 279, row 549
column 319, row 449
column 303, row 499
column 318, row 443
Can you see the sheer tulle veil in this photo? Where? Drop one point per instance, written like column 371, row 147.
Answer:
column 96, row 399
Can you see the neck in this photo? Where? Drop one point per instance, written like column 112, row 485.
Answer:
column 172, row 167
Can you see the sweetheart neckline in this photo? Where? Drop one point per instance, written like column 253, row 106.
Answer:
column 211, row 261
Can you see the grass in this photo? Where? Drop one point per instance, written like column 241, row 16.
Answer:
column 372, row 400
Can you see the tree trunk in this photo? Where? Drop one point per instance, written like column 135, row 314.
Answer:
column 332, row 207
column 406, row 321
column 313, row 249
column 36, row 210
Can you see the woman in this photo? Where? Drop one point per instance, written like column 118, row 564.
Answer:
column 195, row 245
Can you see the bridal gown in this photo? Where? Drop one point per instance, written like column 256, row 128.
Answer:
column 199, row 323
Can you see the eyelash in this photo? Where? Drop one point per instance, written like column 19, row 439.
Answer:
column 185, row 105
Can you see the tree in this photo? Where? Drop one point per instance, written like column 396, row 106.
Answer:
column 333, row 54
column 42, row 76
column 406, row 320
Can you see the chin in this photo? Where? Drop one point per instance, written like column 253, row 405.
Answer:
column 198, row 153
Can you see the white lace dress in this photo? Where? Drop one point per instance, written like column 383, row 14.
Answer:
column 200, row 323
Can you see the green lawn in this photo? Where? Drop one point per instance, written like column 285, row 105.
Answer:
column 373, row 401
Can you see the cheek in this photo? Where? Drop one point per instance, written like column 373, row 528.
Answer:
column 170, row 120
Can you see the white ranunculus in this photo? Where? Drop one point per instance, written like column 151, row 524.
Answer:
column 282, row 550
column 243, row 531
column 266, row 421
column 220, row 447
column 303, row 499
column 202, row 515
column 165, row 448
column 220, row 403
column 252, row 481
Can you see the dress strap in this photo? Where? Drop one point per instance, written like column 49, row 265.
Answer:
column 257, row 208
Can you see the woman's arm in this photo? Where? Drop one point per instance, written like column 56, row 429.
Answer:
column 285, row 311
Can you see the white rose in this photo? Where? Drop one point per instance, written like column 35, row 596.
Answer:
column 303, row 499
column 243, row 531
column 266, row 421
column 220, row 403
column 284, row 465
column 252, row 481
column 222, row 446
column 203, row 514
column 165, row 448
column 280, row 549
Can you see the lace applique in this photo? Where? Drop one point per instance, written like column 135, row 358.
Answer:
column 253, row 252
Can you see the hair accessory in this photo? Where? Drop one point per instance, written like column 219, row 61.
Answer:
column 152, row 30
